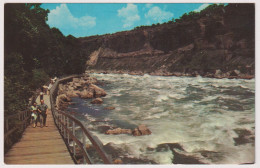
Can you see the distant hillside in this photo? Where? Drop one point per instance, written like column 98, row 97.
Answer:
column 217, row 42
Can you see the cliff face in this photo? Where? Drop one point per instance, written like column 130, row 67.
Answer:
column 220, row 44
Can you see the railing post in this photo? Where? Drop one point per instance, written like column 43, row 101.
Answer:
column 60, row 121
column 64, row 123
column 73, row 131
column 84, row 146
column 61, row 127
column 68, row 124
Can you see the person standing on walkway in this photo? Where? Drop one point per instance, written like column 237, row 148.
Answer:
column 41, row 95
column 34, row 114
column 43, row 109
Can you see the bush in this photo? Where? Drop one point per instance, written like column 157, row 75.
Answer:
column 40, row 77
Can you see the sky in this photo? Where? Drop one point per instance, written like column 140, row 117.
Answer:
column 87, row 19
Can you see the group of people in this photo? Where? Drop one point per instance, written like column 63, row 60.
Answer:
column 39, row 112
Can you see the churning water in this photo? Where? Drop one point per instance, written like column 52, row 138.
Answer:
column 209, row 120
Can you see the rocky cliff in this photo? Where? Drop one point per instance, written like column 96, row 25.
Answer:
column 218, row 42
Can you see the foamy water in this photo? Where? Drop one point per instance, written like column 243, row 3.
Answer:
column 200, row 114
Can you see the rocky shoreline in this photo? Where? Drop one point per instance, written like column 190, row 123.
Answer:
column 235, row 74
column 86, row 88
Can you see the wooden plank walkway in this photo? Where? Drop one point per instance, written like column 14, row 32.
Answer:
column 40, row 145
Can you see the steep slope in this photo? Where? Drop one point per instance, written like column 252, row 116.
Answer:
column 218, row 42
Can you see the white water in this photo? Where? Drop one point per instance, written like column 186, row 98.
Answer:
column 200, row 114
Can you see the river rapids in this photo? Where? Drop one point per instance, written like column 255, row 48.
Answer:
column 192, row 119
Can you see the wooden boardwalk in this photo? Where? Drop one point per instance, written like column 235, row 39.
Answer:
column 40, row 145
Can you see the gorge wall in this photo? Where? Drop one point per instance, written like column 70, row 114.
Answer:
column 216, row 43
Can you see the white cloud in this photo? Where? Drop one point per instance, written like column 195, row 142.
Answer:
column 203, row 6
column 129, row 14
column 158, row 15
column 62, row 18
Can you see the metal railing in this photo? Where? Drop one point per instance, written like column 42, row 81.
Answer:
column 67, row 125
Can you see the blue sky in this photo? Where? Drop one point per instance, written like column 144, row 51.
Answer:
column 86, row 19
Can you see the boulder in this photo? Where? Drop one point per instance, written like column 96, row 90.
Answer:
column 77, row 85
column 119, row 131
column 218, row 72
column 91, row 80
column 70, row 88
column 75, row 80
column 109, row 108
column 62, row 101
column 235, row 73
column 141, row 130
column 61, row 89
column 136, row 132
column 73, row 93
column 98, row 92
column 118, row 161
column 144, row 130
column 87, row 94
column 83, row 82
column 64, row 97
column 97, row 101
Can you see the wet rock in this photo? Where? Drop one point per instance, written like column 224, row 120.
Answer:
column 86, row 94
column 218, row 73
column 167, row 146
column 97, row 101
column 98, row 92
column 75, row 80
column 64, row 97
column 180, row 155
column 113, row 150
column 118, row 161
column 136, row 132
column 61, row 89
column 212, row 155
column 109, row 108
column 185, row 159
column 235, row 73
column 91, row 80
column 73, row 93
column 244, row 136
column 103, row 128
column 119, row 131
column 128, row 160
column 141, row 130
column 77, row 85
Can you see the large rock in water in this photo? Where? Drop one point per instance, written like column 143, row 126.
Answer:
column 62, row 101
column 141, row 130
column 91, row 80
column 73, row 93
column 98, row 92
column 65, row 98
column 87, row 94
column 97, row 101
column 119, row 131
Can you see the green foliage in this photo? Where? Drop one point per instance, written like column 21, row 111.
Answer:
column 33, row 52
column 39, row 78
column 16, row 96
